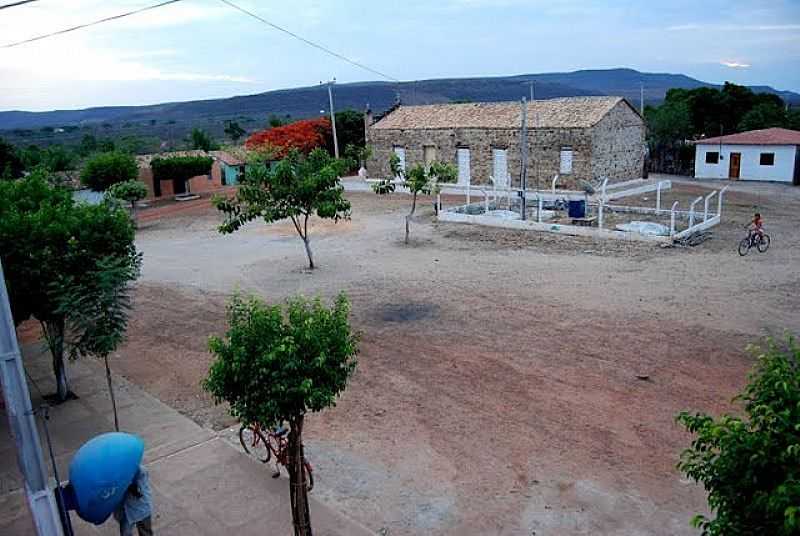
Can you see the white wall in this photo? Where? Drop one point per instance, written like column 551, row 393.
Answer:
column 750, row 167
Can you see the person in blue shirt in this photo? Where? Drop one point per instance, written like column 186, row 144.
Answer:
column 136, row 508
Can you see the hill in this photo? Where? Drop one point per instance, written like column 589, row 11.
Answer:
column 172, row 121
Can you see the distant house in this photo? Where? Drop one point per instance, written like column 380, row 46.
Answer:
column 576, row 137
column 226, row 170
column 757, row 155
column 231, row 167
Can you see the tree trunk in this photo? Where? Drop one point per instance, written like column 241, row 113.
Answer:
column 307, row 244
column 54, row 335
column 301, row 516
column 111, row 392
column 411, row 214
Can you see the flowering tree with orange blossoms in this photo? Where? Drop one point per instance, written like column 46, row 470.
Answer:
column 305, row 136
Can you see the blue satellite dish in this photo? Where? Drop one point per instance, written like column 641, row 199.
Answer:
column 101, row 471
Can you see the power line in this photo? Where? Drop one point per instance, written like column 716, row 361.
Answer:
column 21, row 2
column 309, row 42
column 86, row 25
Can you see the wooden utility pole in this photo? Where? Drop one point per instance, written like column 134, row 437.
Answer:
column 22, row 423
column 523, row 176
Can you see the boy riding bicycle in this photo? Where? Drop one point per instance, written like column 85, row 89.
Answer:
column 757, row 225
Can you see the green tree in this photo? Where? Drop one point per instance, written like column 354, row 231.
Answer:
column 349, row 128
column 54, row 248
column 97, row 305
column 273, row 121
column 763, row 115
column 793, row 118
column 32, row 157
column 297, row 188
column 10, row 161
column 56, row 158
column 418, row 180
column 202, row 141
column 130, row 192
column 234, row 130
column 88, row 145
column 105, row 169
column 750, row 466
column 275, row 366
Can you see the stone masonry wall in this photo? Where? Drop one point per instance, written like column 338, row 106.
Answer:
column 544, row 151
column 618, row 145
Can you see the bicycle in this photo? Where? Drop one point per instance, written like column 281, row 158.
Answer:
column 754, row 239
column 275, row 444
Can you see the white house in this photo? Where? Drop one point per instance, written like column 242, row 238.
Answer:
column 771, row 154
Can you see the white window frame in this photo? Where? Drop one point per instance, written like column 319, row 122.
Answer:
column 566, row 159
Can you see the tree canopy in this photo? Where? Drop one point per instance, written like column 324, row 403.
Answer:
column 297, row 188
column 275, row 365
column 303, row 136
column 750, row 465
column 103, row 170
column 51, row 244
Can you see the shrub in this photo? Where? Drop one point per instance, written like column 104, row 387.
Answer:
column 106, row 169
column 751, row 466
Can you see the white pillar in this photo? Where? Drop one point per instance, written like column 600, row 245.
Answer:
column 691, row 210
column 672, row 218
column 705, row 205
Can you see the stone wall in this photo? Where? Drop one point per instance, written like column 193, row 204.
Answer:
column 618, row 145
column 613, row 148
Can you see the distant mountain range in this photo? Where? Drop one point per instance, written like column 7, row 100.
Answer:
column 252, row 110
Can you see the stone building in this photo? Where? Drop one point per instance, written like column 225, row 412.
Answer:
column 576, row 137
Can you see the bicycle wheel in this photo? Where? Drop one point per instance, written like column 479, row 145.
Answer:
column 763, row 244
column 744, row 246
column 309, row 475
column 254, row 444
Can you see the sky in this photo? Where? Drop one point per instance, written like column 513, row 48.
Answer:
column 199, row 49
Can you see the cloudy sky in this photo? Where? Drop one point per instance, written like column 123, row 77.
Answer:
column 204, row 49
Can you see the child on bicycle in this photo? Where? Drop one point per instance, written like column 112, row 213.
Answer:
column 757, row 225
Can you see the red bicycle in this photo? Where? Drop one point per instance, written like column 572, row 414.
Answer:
column 263, row 446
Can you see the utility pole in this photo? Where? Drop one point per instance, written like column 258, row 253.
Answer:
column 523, row 176
column 22, row 423
column 641, row 98
column 532, row 85
column 333, row 118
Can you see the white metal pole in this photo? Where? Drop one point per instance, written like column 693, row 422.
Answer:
column 523, row 177
column 333, row 119
column 22, row 424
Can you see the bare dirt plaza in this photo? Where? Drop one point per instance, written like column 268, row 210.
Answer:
column 497, row 388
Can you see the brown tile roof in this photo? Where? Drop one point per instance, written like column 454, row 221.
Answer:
column 569, row 112
column 767, row 136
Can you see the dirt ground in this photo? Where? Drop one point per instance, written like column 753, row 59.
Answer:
column 497, row 388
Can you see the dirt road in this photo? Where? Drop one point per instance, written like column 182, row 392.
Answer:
column 497, row 390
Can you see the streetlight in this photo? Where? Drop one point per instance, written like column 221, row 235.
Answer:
column 333, row 117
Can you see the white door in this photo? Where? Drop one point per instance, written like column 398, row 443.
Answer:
column 463, row 166
column 500, row 168
column 401, row 154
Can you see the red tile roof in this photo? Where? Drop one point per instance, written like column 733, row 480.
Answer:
column 767, row 136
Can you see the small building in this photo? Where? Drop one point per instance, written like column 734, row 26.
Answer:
column 757, row 155
column 225, row 170
column 576, row 137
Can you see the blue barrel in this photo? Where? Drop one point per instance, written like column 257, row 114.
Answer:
column 577, row 209
column 101, row 472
